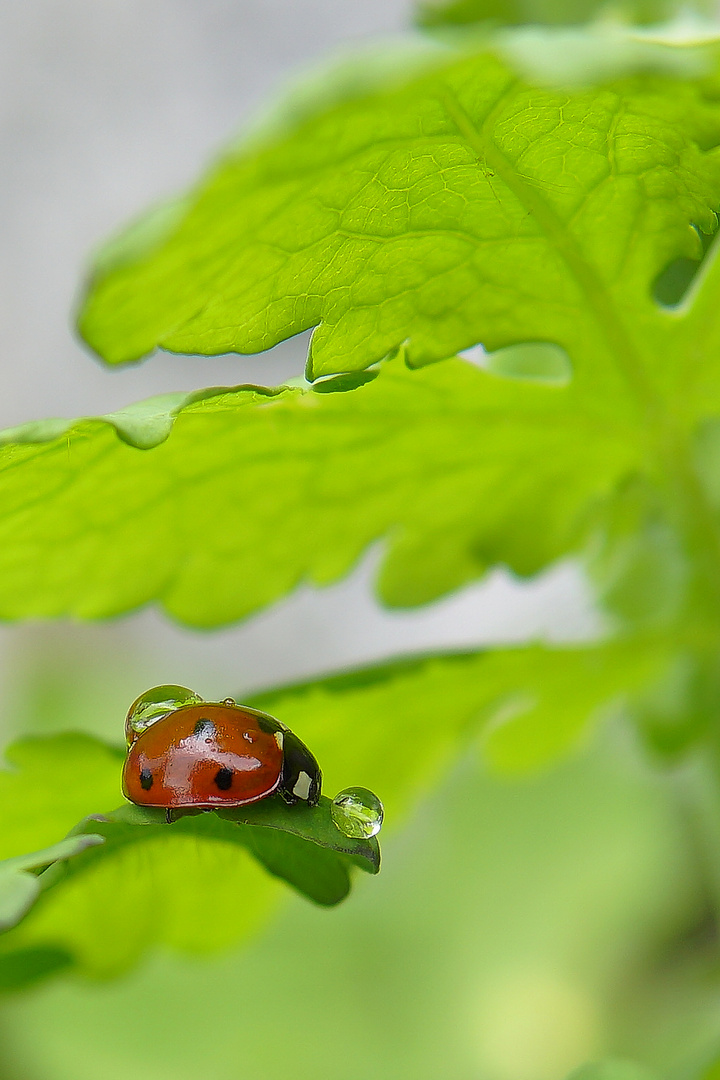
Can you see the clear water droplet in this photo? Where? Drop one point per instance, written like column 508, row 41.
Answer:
column 155, row 703
column 357, row 812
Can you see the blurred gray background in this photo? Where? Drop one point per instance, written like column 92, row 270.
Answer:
column 107, row 106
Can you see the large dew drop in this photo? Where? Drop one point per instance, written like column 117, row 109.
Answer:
column 357, row 812
column 155, row 703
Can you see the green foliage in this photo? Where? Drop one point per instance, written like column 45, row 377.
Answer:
column 562, row 884
column 140, row 887
column 19, row 887
column 151, row 887
column 74, row 776
column 612, row 1070
column 302, row 483
column 530, row 705
column 464, row 206
column 713, row 1072
column 150, row 879
column 432, row 13
column 419, row 218
column 567, row 231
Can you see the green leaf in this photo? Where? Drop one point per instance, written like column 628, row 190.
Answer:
column 144, row 424
column 555, row 696
column 25, row 967
column 51, row 783
column 270, row 829
column 19, row 889
column 636, row 558
column 171, row 889
column 395, row 728
column 530, row 705
column 462, row 206
column 613, row 1070
column 154, row 880
column 713, row 1073
column 458, row 468
column 432, row 13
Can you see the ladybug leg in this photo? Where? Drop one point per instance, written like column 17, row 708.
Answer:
column 168, row 816
column 301, row 777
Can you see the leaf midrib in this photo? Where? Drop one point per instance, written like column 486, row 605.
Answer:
column 621, row 349
column 670, row 448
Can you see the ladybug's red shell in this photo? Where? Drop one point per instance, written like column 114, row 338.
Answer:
column 204, row 755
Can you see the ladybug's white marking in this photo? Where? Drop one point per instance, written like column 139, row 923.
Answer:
column 279, row 738
column 302, row 786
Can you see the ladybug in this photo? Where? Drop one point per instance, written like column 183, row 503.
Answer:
column 186, row 752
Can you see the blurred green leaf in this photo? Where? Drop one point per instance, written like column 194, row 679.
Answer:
column 172, row 889
column 713, row 1073
column 679, row 709
column 177, row 884
column 557, row 694
column 459, row 468
column 462, row 206
column 523, row 897
column 613, row 1070
column 19, row 888
column 530, row 704
column 51, row 783
column 27, row 966
column 395, row 727
column 432, row 13
column 636, row 559
column 54, row 779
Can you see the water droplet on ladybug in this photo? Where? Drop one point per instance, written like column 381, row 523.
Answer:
column 155, row 703
column 357, row 812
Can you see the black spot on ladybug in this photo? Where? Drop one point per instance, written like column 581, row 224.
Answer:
column 204, row 727
column 146, row 779
column 223, row 779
